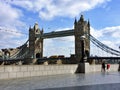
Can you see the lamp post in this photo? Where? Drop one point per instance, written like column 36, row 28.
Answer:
column 84, row 57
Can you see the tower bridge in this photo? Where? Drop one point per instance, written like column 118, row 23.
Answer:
column 81, row 28
column 33, row 47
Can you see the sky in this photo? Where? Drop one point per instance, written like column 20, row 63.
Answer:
column 16, row 16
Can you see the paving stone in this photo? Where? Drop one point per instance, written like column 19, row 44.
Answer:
column 90, row 81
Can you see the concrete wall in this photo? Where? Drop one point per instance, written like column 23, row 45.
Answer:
column 97, row 68
column 87, row 68
column 12, row 71
column 8, row 72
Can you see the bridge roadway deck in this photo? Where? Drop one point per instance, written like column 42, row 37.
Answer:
column 103, row 57
column 91, row 81
column 54, row 34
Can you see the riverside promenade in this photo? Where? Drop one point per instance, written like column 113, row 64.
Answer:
column 90, row 81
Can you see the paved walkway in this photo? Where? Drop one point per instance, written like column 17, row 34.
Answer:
column 92, row 81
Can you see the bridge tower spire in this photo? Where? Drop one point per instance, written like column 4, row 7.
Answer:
column 35, row 44
column 75, row 22
column 82, row 28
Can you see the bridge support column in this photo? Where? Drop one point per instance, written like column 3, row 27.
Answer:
column 82, row 67
column 82, row 44
column 35, row 44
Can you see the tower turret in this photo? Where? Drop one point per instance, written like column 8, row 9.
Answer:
column 75, row 22
column 81, row 18
column 36, row 26
column 35, row 44
column 88, row 23
column 81, row 29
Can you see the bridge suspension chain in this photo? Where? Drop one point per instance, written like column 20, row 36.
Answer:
column 12, row 31
column 16, row 54
column 103, row 46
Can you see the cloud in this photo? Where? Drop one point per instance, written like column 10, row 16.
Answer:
column 10, row 26
column 59, row 46
column 8, row 14
column 10, row 17
column 12, row 12
column 95, row 33
column 109, row 43
column 113, row 32
column 68, row 38
column 110, row 36
column 10, row 38
column 65, row 45
column 48, row 9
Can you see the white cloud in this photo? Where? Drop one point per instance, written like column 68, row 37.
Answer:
column 109, row 43
column 113, row 32
column 60, row 45
column 10, row 38
column 95, row 33
column 110, row 36
column 105, row 35
column 7, row 34
column 9, row 26
column 9, row 15
column 49, row 9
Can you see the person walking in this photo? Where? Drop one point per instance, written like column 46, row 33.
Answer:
column 103, row 66
column 108, row 67
column 119, row 67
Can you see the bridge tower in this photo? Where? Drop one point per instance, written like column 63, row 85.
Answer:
column 82, row 45
column 35, row 44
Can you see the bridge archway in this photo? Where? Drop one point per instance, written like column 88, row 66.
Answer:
column 87, row 53
column 37, row 55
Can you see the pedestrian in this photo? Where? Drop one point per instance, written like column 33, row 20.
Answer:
column 108, row 67
column 119, row 67
column 103, row 66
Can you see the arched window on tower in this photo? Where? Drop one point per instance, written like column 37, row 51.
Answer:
column 38, row 55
